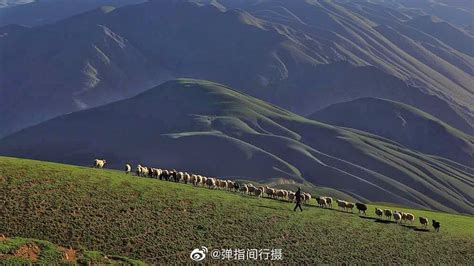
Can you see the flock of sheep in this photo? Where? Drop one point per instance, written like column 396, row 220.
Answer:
column 260, row 191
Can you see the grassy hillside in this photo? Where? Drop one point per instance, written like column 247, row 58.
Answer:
column 205, row 127
column 161, row 222
column 27, row 251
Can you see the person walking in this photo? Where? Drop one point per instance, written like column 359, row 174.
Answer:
column 298, row 198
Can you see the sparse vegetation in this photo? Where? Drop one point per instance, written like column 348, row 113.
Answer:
column 157, row 221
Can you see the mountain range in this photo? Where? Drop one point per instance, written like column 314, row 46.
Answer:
column 205, row 127
column 301, row 55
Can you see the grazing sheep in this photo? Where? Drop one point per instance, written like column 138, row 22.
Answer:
column 99, row 163
column 185, row 177
column 251, row 188
column 378, row 212
column 279, row 193
column 307, row 198
column 258, row 192
column 193, row 179
column 146, row 171
column 341, row 204
column 328, row 202
column 157, row 173
column 244, row 189
column 361, row 207
column 397, row 216
column 291, row 196
column 270, row 192
column 410, row 217
column 230, row 185
column 236, row 186
column 321, row 202
column 128, row 169
column 210, row 183
column 350, row 205
column 150, row 172
column 436, row 225
column 138, row 172
column 203, row 179
column 424, row 221
column 223, row 184
column 198, row 179
column 388, row 214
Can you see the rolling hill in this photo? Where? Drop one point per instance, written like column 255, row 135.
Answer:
column 402, row 123
column 205, row 127
column 300, row 55
column 161, row 222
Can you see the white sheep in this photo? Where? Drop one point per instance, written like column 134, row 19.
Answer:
column 341, row 204
column 210, row 182
column 99, row 163
column 244, row 189
column 270, row 192
column 128, row 168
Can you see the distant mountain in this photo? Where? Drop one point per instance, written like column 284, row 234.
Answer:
column 204, row 127
column 11, row 3
column 40, row 12
column 301, row 55
column 402, row 123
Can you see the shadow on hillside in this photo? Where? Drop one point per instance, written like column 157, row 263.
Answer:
column 384, row 221
column 367, row 217
column 421, row 229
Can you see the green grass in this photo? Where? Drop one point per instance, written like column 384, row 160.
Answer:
column 161, row 222
column 48, row 254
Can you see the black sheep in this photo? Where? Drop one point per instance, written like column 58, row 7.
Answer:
column 236, row 186
column 436, row 225
column 361, row 207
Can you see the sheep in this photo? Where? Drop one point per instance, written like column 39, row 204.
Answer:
column 203, row 179
column 361, row 207
column 156, row 172
column 128, row 168
column 185, row 177
column 143, row 171
column 349, row 205
column 165, row 175
column 424, row 221
column 436, row 225
column 244, row 189
column 270, row 192
column 150, row 172
column 198, row 179
column 378, row 212
column 279, row 193
column 138, row 172
column 210, row 182
column 328, row 202
column 258, row 192
column 307, row 198
column 321, row 202
column 397, row 217
column 99, row 163
column 230, row 185
column 388, row 214
column 291, row 196
column 236, row 186
column 223, row 184
column 251, row 188
column 410, row 217
column 341, row 204
column 285, row 194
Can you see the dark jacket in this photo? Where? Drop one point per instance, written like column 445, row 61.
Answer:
column 298, row 196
